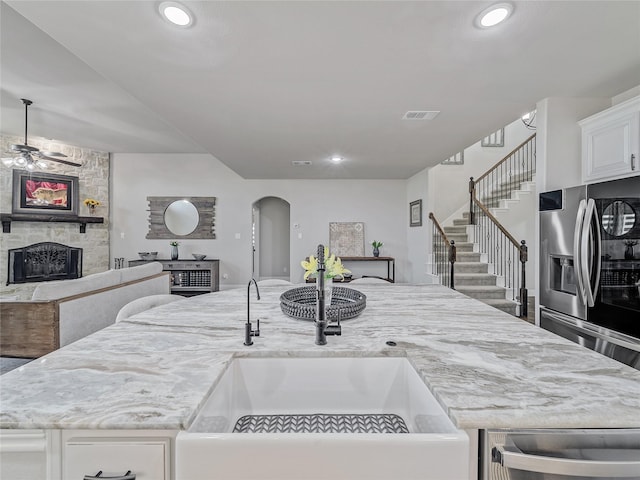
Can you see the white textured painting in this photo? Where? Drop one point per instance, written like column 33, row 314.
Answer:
column 346, row 239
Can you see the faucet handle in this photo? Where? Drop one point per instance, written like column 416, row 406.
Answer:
column 333, row 330
column 256, row 332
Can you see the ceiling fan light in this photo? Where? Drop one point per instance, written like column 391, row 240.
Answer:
column 42, row 164
column 30, row 166
column 8, row 161
column 20, row 161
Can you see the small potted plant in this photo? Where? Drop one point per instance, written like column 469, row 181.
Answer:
column 91, row 204
column 376, row 248
column 174, row 250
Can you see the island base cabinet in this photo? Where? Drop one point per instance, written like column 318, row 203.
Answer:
column 27, row 455
column 148, row 458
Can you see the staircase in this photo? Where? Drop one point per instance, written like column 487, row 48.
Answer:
column 491, row 266
column 472, row 277
column 506, row 193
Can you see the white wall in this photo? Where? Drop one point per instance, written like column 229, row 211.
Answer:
column 380, row 204
column 419, row 238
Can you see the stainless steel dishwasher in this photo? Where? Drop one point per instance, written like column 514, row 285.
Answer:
column 554, row 454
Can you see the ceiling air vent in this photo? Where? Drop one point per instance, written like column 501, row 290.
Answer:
column 301, row 163
column 421, row 114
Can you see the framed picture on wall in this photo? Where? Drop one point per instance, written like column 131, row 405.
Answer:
column 44, row 193
column 415, row 213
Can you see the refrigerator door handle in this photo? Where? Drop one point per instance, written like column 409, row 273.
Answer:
column 564, row 466
column 590, row 218
column 577, row 251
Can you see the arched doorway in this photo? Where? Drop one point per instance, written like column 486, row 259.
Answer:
column 271, row 238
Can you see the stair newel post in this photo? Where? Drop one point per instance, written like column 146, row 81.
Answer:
column 524, row 294
column 452, row 261
column 472, row 186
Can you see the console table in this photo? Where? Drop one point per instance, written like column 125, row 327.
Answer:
column 189, row 277
column 391, row 264
column 391, row 267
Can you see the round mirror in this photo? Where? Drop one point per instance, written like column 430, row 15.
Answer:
column 181, row 217
column 618, row 218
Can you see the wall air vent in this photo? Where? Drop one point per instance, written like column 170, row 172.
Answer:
column 421, row 114
column 301, row 163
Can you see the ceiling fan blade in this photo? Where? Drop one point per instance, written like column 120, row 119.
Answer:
column 27, row 152
column 23, row 148
column 66, row 162
column 53, row 154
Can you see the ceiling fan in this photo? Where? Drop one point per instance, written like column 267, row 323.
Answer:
column 26, row 156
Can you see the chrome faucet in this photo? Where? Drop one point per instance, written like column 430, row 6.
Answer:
column 322, row 324
column 248, row 331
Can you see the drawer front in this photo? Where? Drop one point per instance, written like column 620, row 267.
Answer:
column 148, row 460
column 176, row 266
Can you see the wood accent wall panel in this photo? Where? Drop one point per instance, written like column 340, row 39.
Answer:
column 28, row 329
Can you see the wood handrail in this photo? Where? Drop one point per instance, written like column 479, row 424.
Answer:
column 486, row 211
column 435, row 222
column 505, row 158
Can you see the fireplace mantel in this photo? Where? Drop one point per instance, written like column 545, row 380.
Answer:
column 7, row 218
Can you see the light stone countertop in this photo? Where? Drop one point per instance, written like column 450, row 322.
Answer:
column 487, row 368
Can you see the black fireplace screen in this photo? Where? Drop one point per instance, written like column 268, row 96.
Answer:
column 45, row 261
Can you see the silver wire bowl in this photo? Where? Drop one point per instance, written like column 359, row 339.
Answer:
column 300, row 303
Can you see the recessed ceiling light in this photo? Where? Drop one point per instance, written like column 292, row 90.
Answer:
column 494, row 15
column 176, row 14
column 336, row 158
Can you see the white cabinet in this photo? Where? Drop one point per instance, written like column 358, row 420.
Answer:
column 28, row 454
column 115, row 453
column 611, row 143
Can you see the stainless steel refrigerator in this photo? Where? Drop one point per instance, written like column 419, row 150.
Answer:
column 590, row 266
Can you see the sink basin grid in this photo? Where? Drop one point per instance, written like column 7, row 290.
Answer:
column 433, row 448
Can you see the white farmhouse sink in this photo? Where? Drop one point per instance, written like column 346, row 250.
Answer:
column 338, row 388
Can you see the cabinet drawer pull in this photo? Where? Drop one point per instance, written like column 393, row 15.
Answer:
column 98, row 476
column 633, row 161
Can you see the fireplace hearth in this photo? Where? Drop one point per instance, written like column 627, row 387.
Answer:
column 43, row 262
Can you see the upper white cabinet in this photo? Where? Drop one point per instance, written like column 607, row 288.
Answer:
column 611, row 143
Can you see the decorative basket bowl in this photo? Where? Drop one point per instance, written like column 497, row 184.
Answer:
column 198, row 256
column 148, row 255
column 300, row 303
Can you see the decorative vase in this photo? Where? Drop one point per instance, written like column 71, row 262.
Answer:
column 92, row 209
column 376, row 252
column 328, row 290
column 174, row 252
column 628, row 252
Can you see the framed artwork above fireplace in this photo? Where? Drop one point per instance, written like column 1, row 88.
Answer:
column 44, row 193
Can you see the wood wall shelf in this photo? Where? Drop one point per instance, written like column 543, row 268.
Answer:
column 7, row 218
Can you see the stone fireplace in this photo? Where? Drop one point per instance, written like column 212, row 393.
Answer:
column 43, row 262
column 93, row 182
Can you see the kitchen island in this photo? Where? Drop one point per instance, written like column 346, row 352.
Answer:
column 486, row 368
